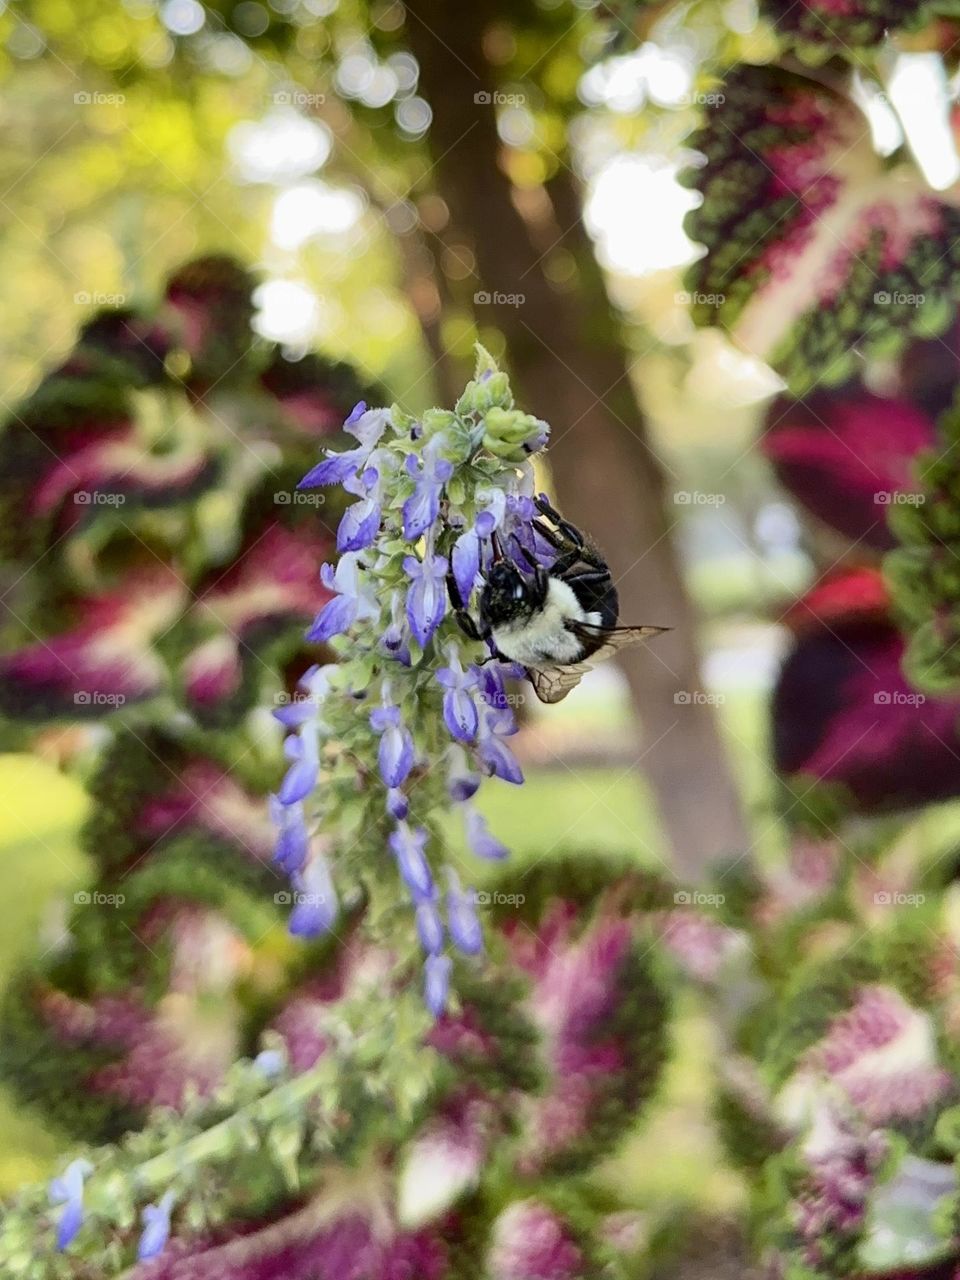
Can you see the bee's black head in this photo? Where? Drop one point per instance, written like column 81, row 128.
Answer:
column 506, row 594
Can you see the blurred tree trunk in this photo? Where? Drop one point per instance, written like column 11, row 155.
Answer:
column 567, row 357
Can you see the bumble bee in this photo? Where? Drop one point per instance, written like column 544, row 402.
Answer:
column 557, row 623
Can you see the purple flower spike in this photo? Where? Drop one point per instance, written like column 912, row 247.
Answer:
column 407, row 847
column 292, row 840
column 395, row 756
column 427, row 597
column 301, row 777
column 68, row 1191
column 482, row 843
column 436, row 983
column 423, row 506
column 315, row 901
column 156, row 1228
column 334, row 469
column 355, row 414
column 462, row 918
column 430, row 928
column 459, row 709
column 465, row 561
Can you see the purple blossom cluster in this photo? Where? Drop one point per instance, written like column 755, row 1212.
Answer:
column 412, row 699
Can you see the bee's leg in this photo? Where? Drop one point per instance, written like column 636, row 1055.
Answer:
column 465, row 620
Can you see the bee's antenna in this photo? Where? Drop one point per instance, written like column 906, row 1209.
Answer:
column 497, row 547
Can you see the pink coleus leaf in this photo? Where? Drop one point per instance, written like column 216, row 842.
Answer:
column 103, row 661
column 846, row 454
column 844, row 713
column 881, row 1054
column 814, row 250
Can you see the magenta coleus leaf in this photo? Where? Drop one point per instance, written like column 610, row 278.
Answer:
column 102, row 662
column 814, row 250
column 846, row 454
column 844, row 713
column 821, row 29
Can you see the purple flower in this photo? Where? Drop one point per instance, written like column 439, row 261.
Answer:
column 359, row 525
column 465, row 561
column 352, row 602
column 395, row 756
column 427, row 597
column 302, row 750
column 482, row 843
column 68, row 1191
column 398, row 806
column 367, row 425
column 430, row 928
column 459, row 709
column 462, row 782
column 156, row 1228
column 495, row 756
column 315, row 902
column 292, row 840
column 436, row 983
column 462, row 918
column 407, row 847
column 395, row 639
column 423, row 506
column 334, row 469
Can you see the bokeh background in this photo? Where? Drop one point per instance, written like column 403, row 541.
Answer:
column 371, row 164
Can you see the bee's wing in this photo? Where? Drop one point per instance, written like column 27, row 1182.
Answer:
column 552, row 684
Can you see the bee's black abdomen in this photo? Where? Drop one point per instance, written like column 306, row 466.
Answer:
column 596, row 594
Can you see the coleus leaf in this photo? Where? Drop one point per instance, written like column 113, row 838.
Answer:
column 208, row 310
column 249, row 619
column 844, row 713
column 104, row 659
column 814, row 250
column 819, row 29
column 846, row 455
